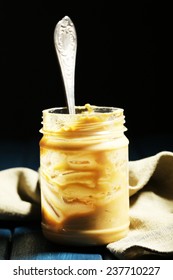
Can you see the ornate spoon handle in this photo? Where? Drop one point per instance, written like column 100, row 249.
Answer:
column 65, row 41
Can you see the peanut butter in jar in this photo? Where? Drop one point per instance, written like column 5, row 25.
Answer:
column 84, row 175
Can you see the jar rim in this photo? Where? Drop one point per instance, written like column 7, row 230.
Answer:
column 91, row 109
column 88, row 118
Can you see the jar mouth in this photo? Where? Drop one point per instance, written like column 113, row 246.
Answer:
column 90, row 109
column 88, row 118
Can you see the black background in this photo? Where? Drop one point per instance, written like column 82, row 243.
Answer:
column 124, row 59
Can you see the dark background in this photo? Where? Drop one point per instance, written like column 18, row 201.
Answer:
column 123, row 60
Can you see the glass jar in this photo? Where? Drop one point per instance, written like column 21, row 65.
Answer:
column 84, row 175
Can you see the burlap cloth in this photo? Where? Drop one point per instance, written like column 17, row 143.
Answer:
column 151, row 204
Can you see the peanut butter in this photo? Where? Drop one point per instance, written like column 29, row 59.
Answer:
column 84, row 175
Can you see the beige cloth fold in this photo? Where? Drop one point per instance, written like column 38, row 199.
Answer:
column 19, row 194
column 151, row 208
column 151, row 204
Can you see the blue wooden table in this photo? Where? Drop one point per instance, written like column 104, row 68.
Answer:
column 24, row 240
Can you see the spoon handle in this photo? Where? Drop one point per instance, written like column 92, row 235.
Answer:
column 65, row 41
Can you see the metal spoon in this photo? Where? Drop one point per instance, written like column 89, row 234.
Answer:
column 65, row 41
